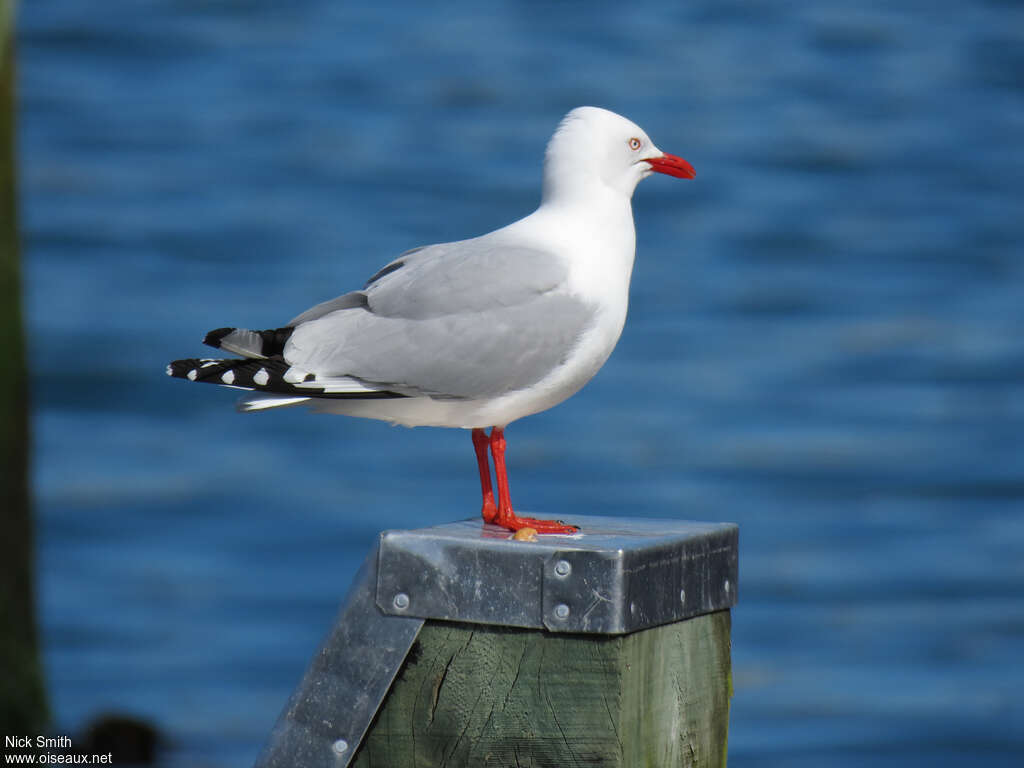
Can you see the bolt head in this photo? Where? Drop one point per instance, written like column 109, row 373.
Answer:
column 563, row 568
column 401, row 601
column 562, row 611
column 340, row 747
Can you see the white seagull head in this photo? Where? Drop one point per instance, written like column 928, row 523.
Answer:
column 595, row 151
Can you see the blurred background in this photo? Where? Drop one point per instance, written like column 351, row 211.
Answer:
column 824, row 344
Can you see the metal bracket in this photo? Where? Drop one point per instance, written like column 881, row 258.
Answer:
column 328, row 714
column 618, row 575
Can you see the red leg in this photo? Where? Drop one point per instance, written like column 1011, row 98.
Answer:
column 506, row 517
column 490, row 509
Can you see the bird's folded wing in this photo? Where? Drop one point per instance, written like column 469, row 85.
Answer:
column 464, row 276
column 466, row 320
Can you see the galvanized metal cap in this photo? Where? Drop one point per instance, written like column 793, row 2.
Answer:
column 617, row 575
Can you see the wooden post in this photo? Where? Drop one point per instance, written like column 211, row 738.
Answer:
column 487, row 696
column 458, row 646
column 22, row 697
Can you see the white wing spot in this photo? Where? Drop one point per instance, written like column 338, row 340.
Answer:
column 294, row 375
column 228, row 377
column 261, row 378
column 192, row 374
column 169, row 371
column 207, row 363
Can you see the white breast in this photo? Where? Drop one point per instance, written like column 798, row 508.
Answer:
column 599, row 246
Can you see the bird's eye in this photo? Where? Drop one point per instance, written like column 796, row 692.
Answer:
column 635, row 143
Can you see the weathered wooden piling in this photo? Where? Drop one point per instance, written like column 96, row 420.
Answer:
column 460, row 647
column 481, row 695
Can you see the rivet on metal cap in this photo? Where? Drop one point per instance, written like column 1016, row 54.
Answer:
column 682, row 595
column 562, row 568
column 340, row 746
column 401, row 601
column 562, row 611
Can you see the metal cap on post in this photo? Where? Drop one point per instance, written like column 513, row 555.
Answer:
column 618, row 576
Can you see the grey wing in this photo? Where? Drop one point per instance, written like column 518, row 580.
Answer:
column 438, row 279
column 345, row 301
column 465, row 276
column 470, row 319
column 354, row 299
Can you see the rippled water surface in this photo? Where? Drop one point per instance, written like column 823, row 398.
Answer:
column 824, row 345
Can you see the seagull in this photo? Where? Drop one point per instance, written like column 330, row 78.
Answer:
column 477, row 333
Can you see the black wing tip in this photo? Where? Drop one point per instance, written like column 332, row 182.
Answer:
column 275, row 339
column 271, row 342
column 199, row 369
column 213, row 338
column 179, row 369
column 261, row 376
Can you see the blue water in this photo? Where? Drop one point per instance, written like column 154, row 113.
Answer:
column 824, row 345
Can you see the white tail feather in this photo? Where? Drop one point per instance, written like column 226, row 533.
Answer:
column 266, row 402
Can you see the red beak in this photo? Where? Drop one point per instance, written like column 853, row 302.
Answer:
column 673, row 166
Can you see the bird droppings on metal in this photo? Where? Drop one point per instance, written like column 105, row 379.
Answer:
column 525, row 534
